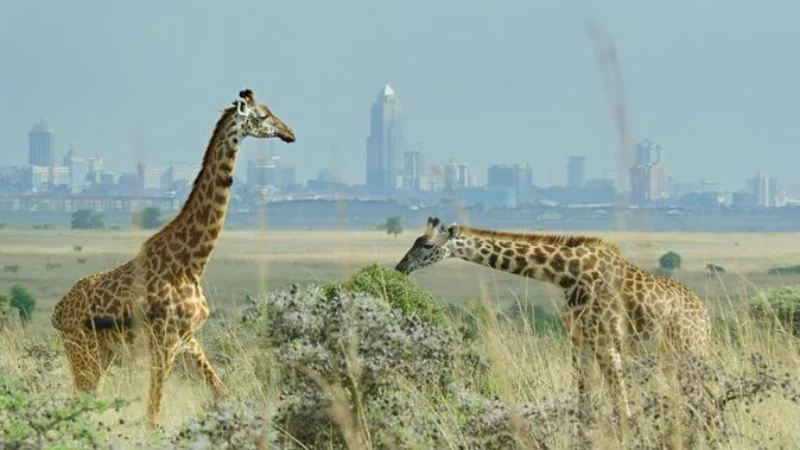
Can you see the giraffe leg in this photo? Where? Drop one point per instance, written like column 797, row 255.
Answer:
column 675, row 416
column 107, row 356
column 163, row 350
column 582, row 361
column 193, row 347
column 611, row 363
column 673, row 347
column 89, row 360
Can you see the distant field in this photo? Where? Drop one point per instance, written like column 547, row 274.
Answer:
column 249, row 262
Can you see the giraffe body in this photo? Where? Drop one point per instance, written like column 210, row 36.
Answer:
column 612, row 306
column 158, row 293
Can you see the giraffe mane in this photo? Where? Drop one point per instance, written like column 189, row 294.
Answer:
column 535, row 238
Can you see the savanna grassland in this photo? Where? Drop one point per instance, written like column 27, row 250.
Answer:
column 499, row 383
column 249, row 262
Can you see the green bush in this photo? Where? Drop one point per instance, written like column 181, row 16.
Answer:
column 148, row 218
column 781, row 304
column 86, row 219
column 394, row 225
column 23, row 301
column 670, row 261
column 30, row 419
column 395, row 288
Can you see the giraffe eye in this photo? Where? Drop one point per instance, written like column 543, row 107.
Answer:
column 427, row 246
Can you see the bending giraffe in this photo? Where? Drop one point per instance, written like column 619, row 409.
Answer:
column 610, row 303
column 158, row 292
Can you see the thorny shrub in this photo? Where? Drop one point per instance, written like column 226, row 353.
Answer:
column 35, row 420
column 226, row 427
column 708, row 395
column 358, row 342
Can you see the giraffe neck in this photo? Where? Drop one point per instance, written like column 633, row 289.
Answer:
column 558, row 260
column 193, row 233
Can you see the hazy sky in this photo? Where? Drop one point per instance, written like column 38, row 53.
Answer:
column 717, row 82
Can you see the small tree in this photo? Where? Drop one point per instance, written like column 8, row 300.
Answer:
column 148, row 218
column 394, row 225
column 23, row 301
column 670, row 261
column 86, row 219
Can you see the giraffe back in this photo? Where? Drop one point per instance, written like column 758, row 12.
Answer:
column 668, row 307
column 113, row 293
column 652, row 308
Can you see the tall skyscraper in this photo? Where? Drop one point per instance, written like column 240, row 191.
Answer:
column 457, row 176
column 576, row 171
column 385, row 143
column 764, row 189
column 648, row 174
column 41, row 145
column 413, row 170
column 515, row 177
column 83, row 170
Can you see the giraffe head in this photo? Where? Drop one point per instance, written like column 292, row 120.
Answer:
column 432, row 246
column 258, row 121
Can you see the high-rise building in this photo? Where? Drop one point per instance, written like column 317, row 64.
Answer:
column 268, row 171
column 83, row 170
column 385, row 143
column 153, row 178
column 516, row 177
column 649, row 152
column 41, row 145
column 764, row 190
column 457, row 176
column 648, row 174
column 43, row 178
column 576, row 171
column 413, row 170
column 184, row 173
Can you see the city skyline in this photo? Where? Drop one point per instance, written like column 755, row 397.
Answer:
column 397, row 166
column 686, row 82
column 392, row 168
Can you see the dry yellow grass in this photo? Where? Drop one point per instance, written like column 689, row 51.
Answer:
column 249, row 262
column 524, row 367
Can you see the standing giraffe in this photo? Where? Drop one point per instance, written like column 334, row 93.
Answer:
column 611, row 304
column 159, row 289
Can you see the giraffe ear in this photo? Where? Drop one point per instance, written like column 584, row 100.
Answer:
column 241, row 106
column 433, row 222
column 452, row 230
column 246, row 94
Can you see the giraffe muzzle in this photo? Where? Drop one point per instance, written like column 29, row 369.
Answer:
column 285, row 132
column 287, row 135
column 402, row 267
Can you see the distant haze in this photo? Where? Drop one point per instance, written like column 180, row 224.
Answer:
column 716, row 82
